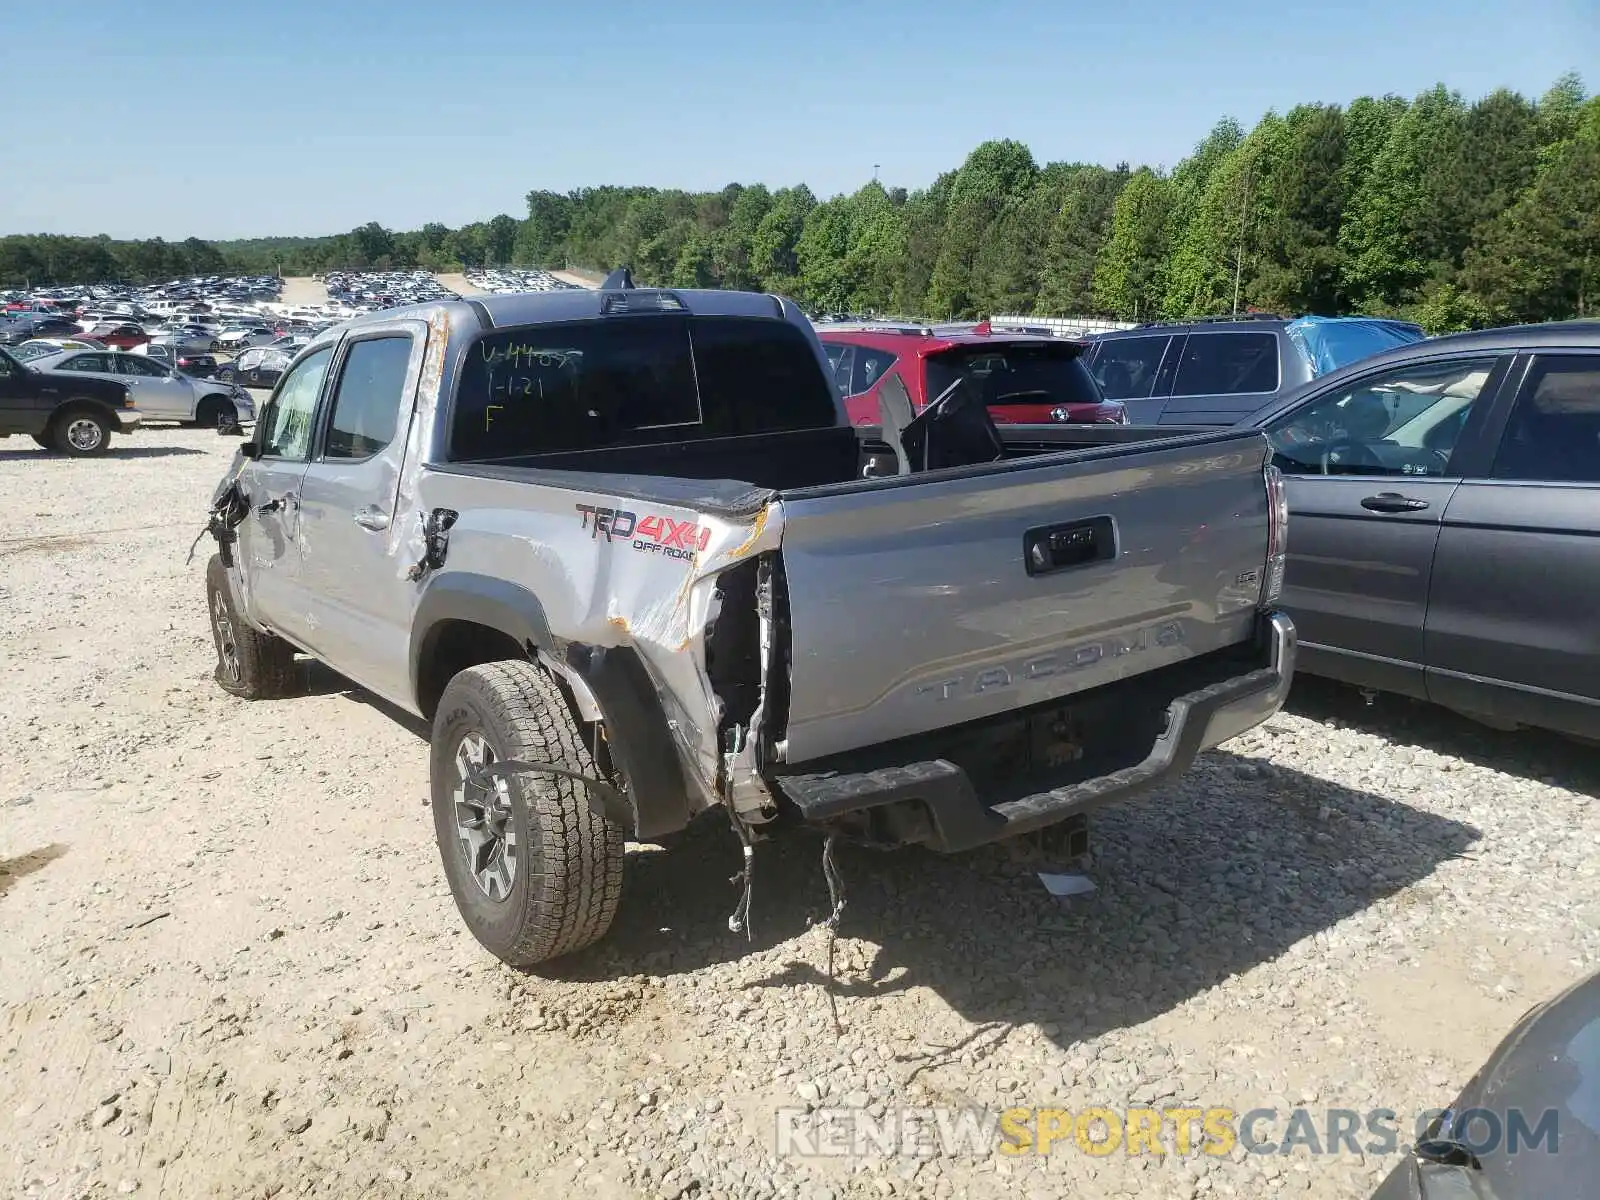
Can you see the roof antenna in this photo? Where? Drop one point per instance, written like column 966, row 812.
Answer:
column 620, row 279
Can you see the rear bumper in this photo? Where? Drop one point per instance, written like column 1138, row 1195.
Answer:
column 960, row 817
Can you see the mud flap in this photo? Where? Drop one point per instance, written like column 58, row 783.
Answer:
column 604, row 800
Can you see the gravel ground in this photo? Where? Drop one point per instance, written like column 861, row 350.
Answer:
column 232, row 967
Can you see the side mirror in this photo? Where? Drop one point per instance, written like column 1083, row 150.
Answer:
column 251, row 450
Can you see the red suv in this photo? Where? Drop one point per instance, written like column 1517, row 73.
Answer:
column 1027, row 380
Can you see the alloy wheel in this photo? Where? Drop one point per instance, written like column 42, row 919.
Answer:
column 485, row 828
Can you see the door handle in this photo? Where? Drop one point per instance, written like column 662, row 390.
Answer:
column 1393, row 502
column 287, row 500
column 372, row 518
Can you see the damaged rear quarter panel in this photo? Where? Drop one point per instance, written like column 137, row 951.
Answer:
column 612, row 570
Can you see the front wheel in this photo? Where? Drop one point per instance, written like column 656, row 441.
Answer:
column 80, row 432
column 250, row 664
column 217, row 412
column 536, row 873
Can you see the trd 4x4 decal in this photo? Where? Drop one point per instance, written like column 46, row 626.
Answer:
column 650, row 533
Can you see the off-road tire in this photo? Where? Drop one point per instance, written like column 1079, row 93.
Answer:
column 568, row 859
column 263, row 666
column 62, row 431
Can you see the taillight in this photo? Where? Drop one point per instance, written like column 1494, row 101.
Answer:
column 1277, row 537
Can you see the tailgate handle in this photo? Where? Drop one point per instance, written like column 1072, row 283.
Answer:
column 1061, row 547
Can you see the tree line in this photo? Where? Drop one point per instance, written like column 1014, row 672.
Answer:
column 1453, row 214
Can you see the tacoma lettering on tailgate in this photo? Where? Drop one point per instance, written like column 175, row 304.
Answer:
column 1057, row 662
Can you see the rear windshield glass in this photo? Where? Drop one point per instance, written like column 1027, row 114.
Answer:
column 1330, row 343
column 1016, row 373
column 624, row 381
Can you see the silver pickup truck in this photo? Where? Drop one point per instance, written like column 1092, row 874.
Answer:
column 623, row 550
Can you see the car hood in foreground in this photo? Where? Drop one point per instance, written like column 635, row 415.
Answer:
column 1541, row 1089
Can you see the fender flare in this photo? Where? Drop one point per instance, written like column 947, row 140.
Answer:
column 483, row 600
column 618, row 684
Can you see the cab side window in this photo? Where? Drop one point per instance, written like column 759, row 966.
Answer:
column 285, row 426
column 366, row 405
column 1227, row 364
column 1554, row 431
column 1125, row 368
column 1404, row 421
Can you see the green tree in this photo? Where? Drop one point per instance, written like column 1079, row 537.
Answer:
column 877, row 250
column 1077, row 232
column 773, row 257
column 821, row 256
column 995, row 176
column 500, row 236
column 1541, row 261
column 1299, row 265
column 1207, row 192
column 924, row 219
column 541, row 238
column 1403, row 221
column 1130, row 276
column 1560, row 113
column 731, row 253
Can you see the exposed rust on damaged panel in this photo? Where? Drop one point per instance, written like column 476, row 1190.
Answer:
column 681, row 600
column 433, row 358
column 757, row 528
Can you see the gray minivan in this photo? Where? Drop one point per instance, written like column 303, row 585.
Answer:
column 1219, row 370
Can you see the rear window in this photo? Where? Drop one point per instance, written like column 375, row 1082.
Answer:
column 623, row 381
column 1222, row 364
column 1126, row 368
column 1015, row 373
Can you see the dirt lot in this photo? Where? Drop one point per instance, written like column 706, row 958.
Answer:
column 231, row 966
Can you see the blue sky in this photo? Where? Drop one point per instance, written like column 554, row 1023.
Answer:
column 301, row 117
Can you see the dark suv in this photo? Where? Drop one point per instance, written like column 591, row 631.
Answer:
column 1218, row 370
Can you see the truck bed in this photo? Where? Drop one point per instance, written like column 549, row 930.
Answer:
column 901, row 605
column 744, row 468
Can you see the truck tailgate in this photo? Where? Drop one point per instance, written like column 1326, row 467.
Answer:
column 925, row 601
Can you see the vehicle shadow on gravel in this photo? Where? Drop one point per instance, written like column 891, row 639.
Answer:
column 113, row 451
column 319, row 679
column 1223, row 871
column 1530, row 753
column 13, row 869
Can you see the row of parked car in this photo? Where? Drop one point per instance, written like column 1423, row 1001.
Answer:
column 504, row 281
column 80, row 365
column 369, row 290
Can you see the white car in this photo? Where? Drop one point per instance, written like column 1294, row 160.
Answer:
column 240, row 337
column 159, row 393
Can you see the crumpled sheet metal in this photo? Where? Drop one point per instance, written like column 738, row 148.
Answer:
column 613, row 572
column 406, row 529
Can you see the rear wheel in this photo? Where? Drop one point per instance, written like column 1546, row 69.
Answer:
column 80, row 431
column 536, row 873
column 250, row 664
column 42, row 440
